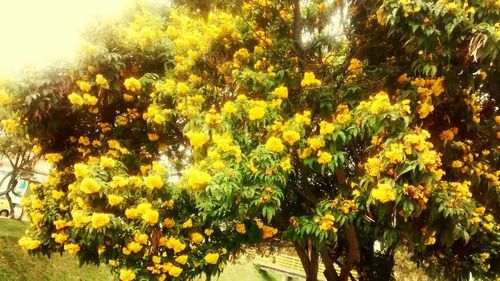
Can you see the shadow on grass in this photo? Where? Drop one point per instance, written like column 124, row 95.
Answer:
column 264, row 275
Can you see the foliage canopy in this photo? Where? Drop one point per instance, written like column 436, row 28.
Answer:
column 326, row 125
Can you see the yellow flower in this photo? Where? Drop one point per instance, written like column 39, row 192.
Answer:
column 150, row 216
column 80, row 219
column 174, row 271
column 115, row 200
column 484, row 256
column 141, row 238
column 182, row 259
column 182, row 88
column 53, row 158
column 89, row 186
column 457, row 164
column 326, row 128
column 197, row 178
column 291, row 137
column 342, row 114
column 197, row 139
column 132, row 84
column 384, row 193
column 89, row 99
column 196, row 238
column 395, row 154
column 240, row 228
column 373, row 166
column 268, row 231
column 60, row 237
column 188, row 224
column 4, row 98
column 107, row 163
column 75, row 99
column 355, row 67
column 315, row 143
column 324, row 157
column 101, row 81
column 153, row 137
column 72, row 248
column 281, row 92
column 84, row 85
column 27, row 243
column 153, row 182
column 310, row 80
column 274, row 144
column 168, row 223
column 134, row 247
column 208, row 231
column 126, row 275
column 229, row 108
column 81, row 170
column 256, row 113
column 100, row 220
column 286, row 164
column 212, row 258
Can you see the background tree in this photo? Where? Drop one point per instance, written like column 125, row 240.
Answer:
column 281, row 130
column 15, row 148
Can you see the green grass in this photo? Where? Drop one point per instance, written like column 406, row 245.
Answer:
column 17, row 265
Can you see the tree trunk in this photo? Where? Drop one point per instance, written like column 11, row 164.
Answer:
column 330, row 273
column 309, row 258
column 353, row 255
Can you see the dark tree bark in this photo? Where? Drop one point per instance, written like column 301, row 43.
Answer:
column 330, row 273
column 309, row 257
column 353, row 255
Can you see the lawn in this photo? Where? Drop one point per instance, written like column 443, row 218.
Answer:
column 16, row 265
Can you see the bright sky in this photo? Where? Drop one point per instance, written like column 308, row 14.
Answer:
column 36, row 31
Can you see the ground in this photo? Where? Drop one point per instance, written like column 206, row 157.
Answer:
column 17, row 265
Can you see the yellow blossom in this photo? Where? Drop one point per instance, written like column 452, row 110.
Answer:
column 212, row 258
column 4, row 98
column 291, row 137
column 72, row 248
column 256, row 113
column 75, row 99
column 281, row 92
column 182, row 259
column 100, row 220
column 150, row 216
column 197, row 178
column 153, row 182
column 27, row 243
column 107, row 163
column 240, row 228
column 373, row 166
column 315, row 143
column 153, row 136
column 310, row 80
column 115, row 200
column 383, row 193
column 196, row 238
column 126, row 275
column 132, row 84
column 89, row 186
column 197, row 139
column 101, row 81
column 81, row 170
column 324, row 157
column 274, row 144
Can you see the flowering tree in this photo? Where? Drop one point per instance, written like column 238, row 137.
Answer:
column 291, row 123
